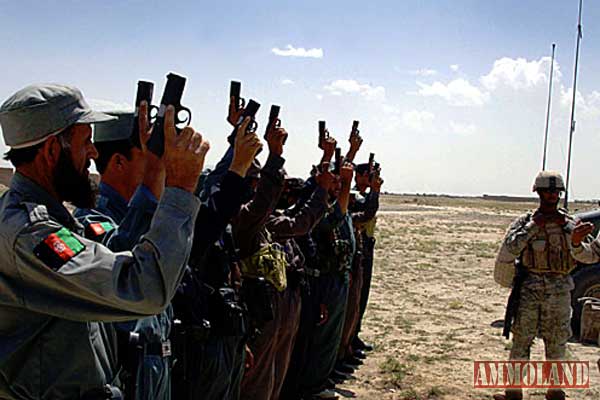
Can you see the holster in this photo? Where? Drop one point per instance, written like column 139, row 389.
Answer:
column 258, row 294
column 227, row 314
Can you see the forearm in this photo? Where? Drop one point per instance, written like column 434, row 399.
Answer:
column 587, row 253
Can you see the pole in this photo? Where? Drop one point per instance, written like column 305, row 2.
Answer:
column 572, row 127
column 548, row 108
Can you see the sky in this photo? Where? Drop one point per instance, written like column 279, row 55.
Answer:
column 451, row 94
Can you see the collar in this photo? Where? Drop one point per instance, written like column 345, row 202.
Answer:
column 34, row 193
column 111, row 202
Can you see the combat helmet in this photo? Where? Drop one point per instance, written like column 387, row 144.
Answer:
column 551, row 180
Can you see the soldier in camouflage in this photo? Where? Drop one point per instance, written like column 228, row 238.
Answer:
column 548, row 243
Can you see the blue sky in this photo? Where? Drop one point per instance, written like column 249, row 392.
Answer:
column 451, row 94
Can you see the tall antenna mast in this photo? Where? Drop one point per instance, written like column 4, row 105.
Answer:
column 572, row 128
column 548, row 108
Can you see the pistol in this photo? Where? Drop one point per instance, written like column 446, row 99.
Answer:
column 274, row 121
column 355, row 130
column 144, row 92
column 338, row 161
column 171, row 97
column 322, row 132
column 234, row 91
column 249, row 111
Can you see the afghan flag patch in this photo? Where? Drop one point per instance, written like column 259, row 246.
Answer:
column 96, row 229
column 58, row 248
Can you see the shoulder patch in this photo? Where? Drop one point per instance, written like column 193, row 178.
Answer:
column 36, row 212
column 58, row 248
column 96, row 229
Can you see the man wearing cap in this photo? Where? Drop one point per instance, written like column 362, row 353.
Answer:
column 364, row 204
column 55, row 284
column 547, row 242
column 131, row 182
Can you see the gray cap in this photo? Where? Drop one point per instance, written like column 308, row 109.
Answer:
column 37, row 112
column 120, row 128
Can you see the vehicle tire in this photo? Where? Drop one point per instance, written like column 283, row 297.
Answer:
column 587, row 284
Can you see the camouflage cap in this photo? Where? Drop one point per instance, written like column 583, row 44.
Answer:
column 551, row 180
column 120, row 128
column 37, row 112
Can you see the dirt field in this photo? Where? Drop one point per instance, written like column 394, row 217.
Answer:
column 434, row 300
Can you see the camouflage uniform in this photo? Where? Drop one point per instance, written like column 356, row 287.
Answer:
column 547, row 256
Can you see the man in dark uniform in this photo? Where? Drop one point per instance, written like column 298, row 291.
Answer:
column 213, row 331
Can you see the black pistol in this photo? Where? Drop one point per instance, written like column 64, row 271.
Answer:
column 274, row 121
column 171, row 97
column 249, row 111
column 355, row 130
column 145, row 90
column 235, row 90
column 322, row 132
column 338, row 161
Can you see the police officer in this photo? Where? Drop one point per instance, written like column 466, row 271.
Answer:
column 364, row 206
column 55, row 284
column 547, row 242
column 131, row 182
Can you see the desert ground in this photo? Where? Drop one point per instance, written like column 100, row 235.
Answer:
column 434, row 300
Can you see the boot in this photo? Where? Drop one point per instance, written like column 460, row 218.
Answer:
column 357, row 343
column 554, row 394
column 510, row 395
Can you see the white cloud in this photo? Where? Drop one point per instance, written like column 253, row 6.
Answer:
column 458, row 92
column 519, row 73
column 108, row 105
column 417, row 120
column 586, row 106
column 341, row 86
column 424, row 72
column 291, row 51
column 455, row 67
column 462, row 129
column 287, row 82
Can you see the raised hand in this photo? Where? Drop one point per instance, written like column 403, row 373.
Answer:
column 184, row 154
column 245, row 148
column 276, row 139
column 581, row 230
column 235, row 113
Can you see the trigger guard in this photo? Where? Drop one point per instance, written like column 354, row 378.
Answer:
column 277, row 123
column 252, row 127
column 185, row 121
column 150, row 116
column 241, row 103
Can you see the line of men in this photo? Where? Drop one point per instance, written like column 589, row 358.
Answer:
column 168, row 282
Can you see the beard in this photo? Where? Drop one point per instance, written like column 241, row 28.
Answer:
column 73, row 186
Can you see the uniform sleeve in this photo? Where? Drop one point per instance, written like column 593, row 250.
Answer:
column 303, row 221
column 519, row 234
column 78, row 279
column 253, row 215
column 135, row 223
column 216, row 213
column 587, row 252
column 368, row 213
